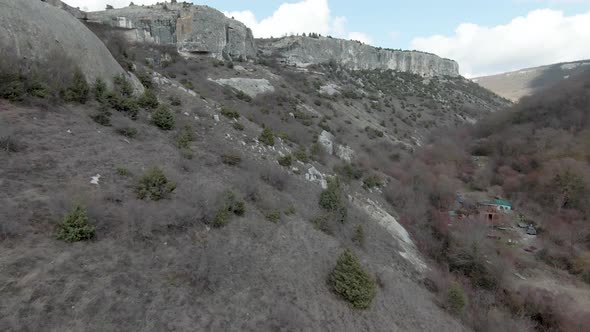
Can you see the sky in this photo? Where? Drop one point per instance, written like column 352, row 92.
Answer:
column 485, row 37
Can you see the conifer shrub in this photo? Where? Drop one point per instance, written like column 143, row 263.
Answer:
column 154, row 185
column 359, row 235
column 123, row 86
column 175, row 101
column 12, row 88
column 231, row 159
column 145, row 79
column 229, row 205
column 332, row 200
column 373, row 133
column 78, row 90
column 36, row 87
column 273, row 216
column 123, row 104
column 123, row 171
column 229, row 113
column 75, row 226
column 349, row 172
column 267, row 137
column 185, row 137
column 301, row 155
column 238, row 126
column 351, row 282
column 371, row 182
column 99, row 89
column 243, row 96
column 286, row 160
column 456, row 299
column 9, row 145
column 163, row 118
column 128, row 132
column 102, row 117
column 322, row 223
column 148, row 99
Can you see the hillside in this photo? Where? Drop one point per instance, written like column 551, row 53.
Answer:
column 231, row 191
column 525, row 82
column 535, row 157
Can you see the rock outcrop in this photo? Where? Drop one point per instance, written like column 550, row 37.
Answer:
column 76, row 12
column 32, row 32
column 192, row 29
column 303, row 51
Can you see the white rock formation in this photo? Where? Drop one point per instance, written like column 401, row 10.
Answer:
column 303, row 51
column 409, row 250
column 326, row 140
column 250, row 86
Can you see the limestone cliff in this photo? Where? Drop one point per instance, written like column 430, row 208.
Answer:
column 193, row 29
column 32, row 32
column 302, row 51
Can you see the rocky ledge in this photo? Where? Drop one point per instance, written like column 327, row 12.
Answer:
column 303, row 51
column 193, row 29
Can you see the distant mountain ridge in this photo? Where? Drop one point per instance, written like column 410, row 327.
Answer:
column 517, row 84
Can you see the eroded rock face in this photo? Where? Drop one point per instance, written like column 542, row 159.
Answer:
column 327, row 141
column 303, row 51
column 192, row 29
column 33, row 32
column 203, row 29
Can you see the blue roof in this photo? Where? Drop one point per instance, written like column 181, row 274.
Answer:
column 501, row 202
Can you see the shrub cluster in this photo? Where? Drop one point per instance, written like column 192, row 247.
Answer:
column 273, row 216
column 286, row 160
column 301, row 155
column 229, row 205
column 229, row 113
column 243, row 96
column 359, row 236
column 231, row 159
column 185, row 137
column 148, row 99
column 371, row 182
column 267, row 137
column 128, row 132
column 154, row 185
column 373, row 133
column 78, row 90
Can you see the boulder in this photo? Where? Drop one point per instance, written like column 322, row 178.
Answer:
column 33, row 32
column 326, row 140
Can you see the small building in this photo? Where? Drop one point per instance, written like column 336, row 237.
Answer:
column 501, row 205
column 495, row 212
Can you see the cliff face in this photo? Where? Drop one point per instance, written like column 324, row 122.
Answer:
column 32, row 32
column 193, row 29
column 302, row 51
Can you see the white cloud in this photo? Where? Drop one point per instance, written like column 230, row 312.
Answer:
column 94, row 5
column 541, row 37
column 301, row 17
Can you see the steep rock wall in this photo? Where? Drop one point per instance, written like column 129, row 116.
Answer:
column 193, row 29
column 303, row 51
